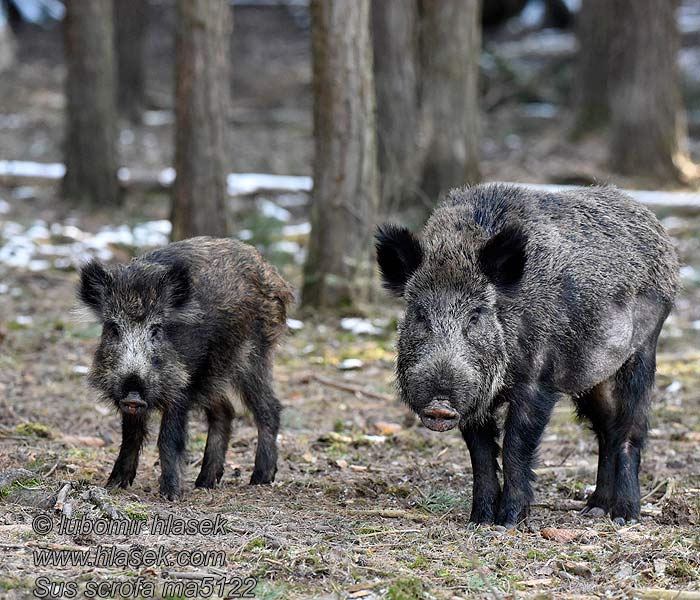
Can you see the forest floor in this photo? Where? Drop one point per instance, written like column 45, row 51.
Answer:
column 367, row 503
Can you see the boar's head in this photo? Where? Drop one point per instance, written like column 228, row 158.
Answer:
column 144, row 352
column 452, row 356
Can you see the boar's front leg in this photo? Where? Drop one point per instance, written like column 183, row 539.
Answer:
column 528, row 413
column 172, row 441
column 134, row 430
column 483, row 451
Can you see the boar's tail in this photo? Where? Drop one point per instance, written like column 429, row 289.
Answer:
column 279, row 296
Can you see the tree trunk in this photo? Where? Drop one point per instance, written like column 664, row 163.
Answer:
column 202, row 80
column 90, row 147
column 647, row 125
column 131, row 22
column 595, row 31
column 345, row 195
column 395, row 40
column 450, row 47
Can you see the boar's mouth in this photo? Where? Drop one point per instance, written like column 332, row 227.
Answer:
column 133, row 404
column 439, row 416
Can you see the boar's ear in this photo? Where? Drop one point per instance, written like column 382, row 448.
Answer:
column 502, row 258
column 94, row 280
column 399, row 254
column 178, row 283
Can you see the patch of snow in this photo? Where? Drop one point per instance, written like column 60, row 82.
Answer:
column 271, row 210
column 675, row 386
column 359, row 326
column 24, row 320
column 32, row 169
column 296, row 230
column 295, row 324
column 81, row 369
column 350, row 364
column 248, row 183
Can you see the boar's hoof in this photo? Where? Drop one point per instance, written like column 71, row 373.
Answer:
column 624, row 512
column 120, row 480
column 594, row 511
column 207, row 481
column 260, row 477
column 171, row 493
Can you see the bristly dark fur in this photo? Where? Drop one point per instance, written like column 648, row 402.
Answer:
column 183, row 327
column 521, row 297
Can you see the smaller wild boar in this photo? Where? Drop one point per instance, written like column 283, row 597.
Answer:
column 517, row 298
column 182, row 327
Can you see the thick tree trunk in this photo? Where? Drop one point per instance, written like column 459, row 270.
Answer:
column 202, row 94
column 345, row 194
column 450, row 47
column 647, row 125
column 595, row 31
column 7, row 41
column 395, row 40
column 131, row 22
column 90, row 147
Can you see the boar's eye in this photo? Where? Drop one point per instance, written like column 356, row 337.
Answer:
column 472, row 321
column 110, row 329
column 155, row 332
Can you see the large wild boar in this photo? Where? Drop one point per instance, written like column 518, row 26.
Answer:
column 182, row 327
column 521, row 297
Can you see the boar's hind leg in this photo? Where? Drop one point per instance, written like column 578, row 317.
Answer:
column 219, row 417
column 134, row 430
column 172, row 441
column 599, row 407
column 483, row 451
column 633, row 387
column 528, row 413
column 618, row 409
column 259, row 397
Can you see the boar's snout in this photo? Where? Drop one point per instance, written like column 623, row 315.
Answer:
column 132, row 401
column 133, row 404
column 439, row 415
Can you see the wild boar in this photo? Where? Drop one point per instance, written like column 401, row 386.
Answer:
column 519, row 297
column 182, row 327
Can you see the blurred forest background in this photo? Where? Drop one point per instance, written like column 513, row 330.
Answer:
column 397, row 100
column 297, row 126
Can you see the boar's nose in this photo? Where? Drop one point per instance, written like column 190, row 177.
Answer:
column 439, row 414
column 133, row 403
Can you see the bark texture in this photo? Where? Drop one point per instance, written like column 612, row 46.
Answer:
column 131, row 23
column 594, row 30
column 395, row 41
column 647, row 125
column 90, row 146
column 450, row 48
column 345, row 194
column 202, row 76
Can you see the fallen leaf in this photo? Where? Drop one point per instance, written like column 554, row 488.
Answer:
column 536, row 582
column 562, row 535
column 576, row 568
column 309, row 458
column 358, row 468
column 341, row 463
column 386, row 428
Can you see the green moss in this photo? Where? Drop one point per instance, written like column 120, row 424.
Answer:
column 30, row 429
column 136, row 511
column 409, row 588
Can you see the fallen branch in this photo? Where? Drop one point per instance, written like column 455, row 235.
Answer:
column 660, row 594
column 346, row 387
column 390, row 514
